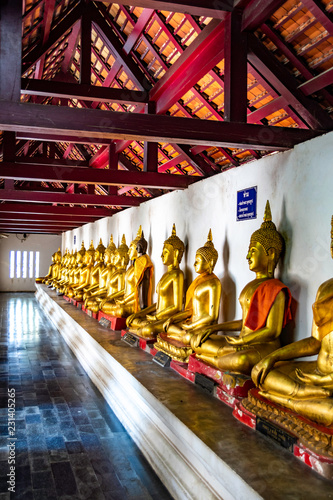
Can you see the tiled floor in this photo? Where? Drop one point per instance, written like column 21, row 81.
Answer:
column 69, row 444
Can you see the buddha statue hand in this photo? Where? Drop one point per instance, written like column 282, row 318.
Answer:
column 151, row 317
column 236, row 341
column 130, row 319
column 314, row 378
column 261, row 370
column 167, row 324
column 198, row 338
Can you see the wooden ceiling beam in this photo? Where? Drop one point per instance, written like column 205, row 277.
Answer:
column 10, row 49
column 63, row 219
column 280, row 78
column 80, row 123
column 25, row 208
column 27, row 172
column 257, row 12
column 82, row 91
column 206, row 8
column 69, row 19
column 74, row 199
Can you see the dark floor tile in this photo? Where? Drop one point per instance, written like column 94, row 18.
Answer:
column 74, row 447
column 64, row 478
column 42, row 479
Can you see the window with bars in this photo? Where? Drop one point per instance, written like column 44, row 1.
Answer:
column 24, row 264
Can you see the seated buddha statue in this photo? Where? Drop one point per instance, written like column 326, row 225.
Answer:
column 73, row 267
column 85, row 271
column 138, row 282
column 305, row 387
column 95, row 298
column 75, row 273
column 149, row 321
column 96, row 270
column 201, row 307
column 116, row 282
column 62, row 270
column 49, row 273
column 55, row 269
column 265, row 303
column 69, row 266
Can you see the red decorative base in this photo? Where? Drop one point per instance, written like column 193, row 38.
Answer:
column 68, row 299
column 182, row 369
column 231, row 388
column 321, row 463
column 115, row 322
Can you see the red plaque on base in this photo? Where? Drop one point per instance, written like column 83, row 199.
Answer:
column 115, row 322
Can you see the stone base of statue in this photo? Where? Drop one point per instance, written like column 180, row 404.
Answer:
column 146, row 344
column 116, row 323
column 173, row 348
column 231, row 387
column 310, row 442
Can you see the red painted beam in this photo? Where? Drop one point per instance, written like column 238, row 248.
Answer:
column 51, row 137
column 26, row 172
column 258, row 11
column 75, row 199
column 56, row 162
column 318, row 10
column 200, row 57
column 155, row 128
column 138, row 29
column 25, row 208
column 206, row 8
column 317, row 83
column 46, row 228
column 70, row 219
column 81, row 91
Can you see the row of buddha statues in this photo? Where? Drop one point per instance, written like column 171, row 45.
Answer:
column 250, row 346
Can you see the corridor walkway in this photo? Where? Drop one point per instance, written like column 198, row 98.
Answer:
column 67, row 442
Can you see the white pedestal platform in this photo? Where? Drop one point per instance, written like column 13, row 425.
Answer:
column 192, row 441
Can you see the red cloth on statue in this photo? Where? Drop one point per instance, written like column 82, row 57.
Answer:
column 262, row 301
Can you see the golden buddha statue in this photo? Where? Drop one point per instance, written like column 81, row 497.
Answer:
column 305, row 387
column 138, row 282
column 55, row 269
column 48, row 276
column 201, row 307
column 85, row 271
column 150, row 320
column 116, row 282
column 75, row 273
column 96, row 270
column 265, row 303
column 66, row 274
column 94, row 300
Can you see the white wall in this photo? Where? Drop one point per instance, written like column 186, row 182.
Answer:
column 298, row 184
column 45, row 244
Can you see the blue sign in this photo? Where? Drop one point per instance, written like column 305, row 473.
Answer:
column 74, row 239
column 247, row 204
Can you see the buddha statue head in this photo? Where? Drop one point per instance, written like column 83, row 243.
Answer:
column 141, row 245
column 173, row 249
column 121, row 254
column 132, row 251
column 99, row 251
column 206, row 256
column 268, row 243
column 90, row 254
column 81, row 254
column 109, row 251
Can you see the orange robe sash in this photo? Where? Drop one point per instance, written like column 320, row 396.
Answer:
column 262, row 301
column 141, row 264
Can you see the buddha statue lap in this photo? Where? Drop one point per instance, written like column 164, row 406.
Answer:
column 85, row 271
column 306, row 387
column 138, row 282
column 95, row 272
column 149, row 321
column 112, row 276
column 201, row 307
column 265, row 304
